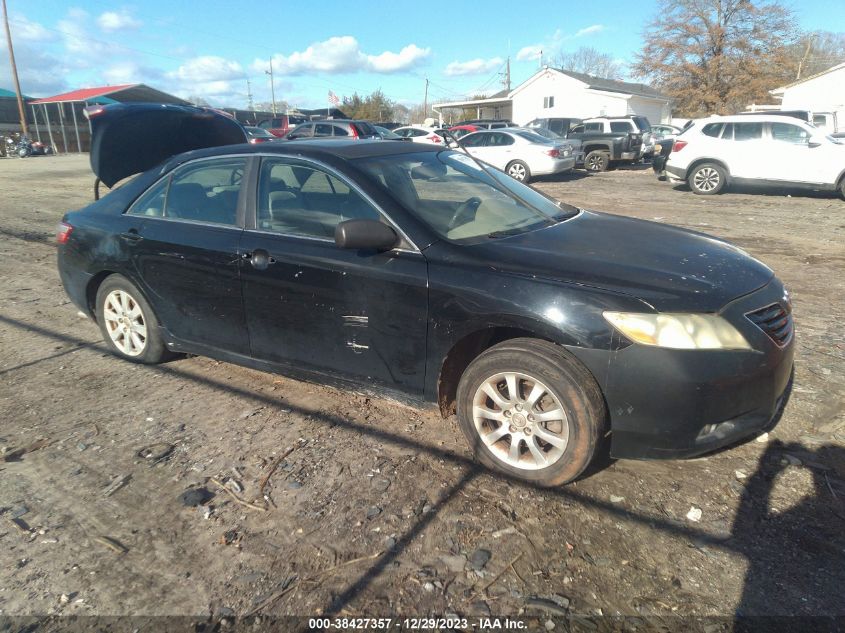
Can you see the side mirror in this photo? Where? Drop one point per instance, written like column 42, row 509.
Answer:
column 365, row 235
column 814, row 142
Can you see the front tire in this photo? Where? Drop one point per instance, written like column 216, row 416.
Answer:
column 127, row 322
column 530, row 410
column 597, row 161
column 518, row 171
column 707, row 179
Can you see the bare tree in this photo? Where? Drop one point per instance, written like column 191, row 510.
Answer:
column 590, row 61
column 817, row 51
column 717, row 56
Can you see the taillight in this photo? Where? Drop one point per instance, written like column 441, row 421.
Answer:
column 63, row 232
column 554, row 153
column 91, row 111
column 354, row 131
column 679, row 145
column 435, row 139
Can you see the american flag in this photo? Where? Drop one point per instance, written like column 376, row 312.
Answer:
column 333, row 98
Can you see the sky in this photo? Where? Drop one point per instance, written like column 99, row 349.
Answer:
column 220, row 51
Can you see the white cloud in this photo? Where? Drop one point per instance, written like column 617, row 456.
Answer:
column 207, row 68
column 343, row 54
column 24, row 30
column 476, row 66
column 111, row 21
column 389, row 62
column 529, row 52
column 595, row 28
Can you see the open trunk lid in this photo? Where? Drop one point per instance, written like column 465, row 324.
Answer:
column 129, row 138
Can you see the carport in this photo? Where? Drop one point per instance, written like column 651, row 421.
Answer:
column 66, row 112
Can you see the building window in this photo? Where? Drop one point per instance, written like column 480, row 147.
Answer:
column 548, row 102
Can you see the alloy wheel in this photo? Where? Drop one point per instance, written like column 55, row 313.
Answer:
column 520, row 420
column 517, row 171
column 595, row 163
column 125, row 322
column 706, row 179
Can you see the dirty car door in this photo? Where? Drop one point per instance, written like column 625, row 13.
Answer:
column 185, row 252
column 309, row 304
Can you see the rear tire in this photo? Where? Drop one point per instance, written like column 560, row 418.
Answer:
column 127, row 322
column 707, row 179
column 842, row 188
column 597, row 161
column 518, row 171
column 532, row 411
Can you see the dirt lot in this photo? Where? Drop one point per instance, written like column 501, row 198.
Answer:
column 378, row 510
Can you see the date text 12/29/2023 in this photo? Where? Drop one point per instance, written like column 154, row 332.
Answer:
column 419, row 624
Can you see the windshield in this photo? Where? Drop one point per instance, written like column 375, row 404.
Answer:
column 458, row 199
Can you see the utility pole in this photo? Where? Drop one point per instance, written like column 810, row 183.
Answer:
column 425, row 101
column 803, row 59
column 506, row 82
column 249, row 103
column 272, row 84
column 21, row 111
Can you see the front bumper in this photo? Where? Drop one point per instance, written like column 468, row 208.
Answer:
column 667, row 403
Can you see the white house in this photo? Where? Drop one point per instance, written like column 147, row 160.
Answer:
column 819, row 93
column 562, row 93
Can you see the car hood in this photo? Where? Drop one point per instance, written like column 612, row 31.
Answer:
column 129, row 138
column 672, row 269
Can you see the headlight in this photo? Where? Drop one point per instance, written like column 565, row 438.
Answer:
column 678, row 331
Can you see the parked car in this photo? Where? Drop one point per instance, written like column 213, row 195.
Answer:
column 410, row 269
column 420, row 134
column 258, row 135
column 281, row 124
column 760, row 149
column 487, row 124
column 632, row 124
column 520, row 153
column 333, row 128
column 601, row 150
column 386, row 134
column 574, row 143
column 459, row 131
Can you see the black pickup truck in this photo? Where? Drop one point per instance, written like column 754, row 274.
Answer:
column 601, row 150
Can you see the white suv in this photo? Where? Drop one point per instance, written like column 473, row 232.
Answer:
column 762, row 149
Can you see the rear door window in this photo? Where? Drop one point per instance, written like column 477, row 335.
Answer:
column 621, row 126
column 322, row 129
column 712, row 129
column 206, row 191
column 748, row 131
column 594, row 127
column 479, row 139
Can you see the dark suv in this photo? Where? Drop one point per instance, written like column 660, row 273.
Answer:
column 333, row 128
column 281, row 124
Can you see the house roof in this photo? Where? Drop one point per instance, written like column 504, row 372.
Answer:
column 614, row 85
column 123, row 93
column 810, row 78
column 11, row 94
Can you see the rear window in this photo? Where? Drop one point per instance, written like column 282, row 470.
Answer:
column 712, row 129
column 531, row 136
column 621, row 126
column 296, row 120
column 643, row 123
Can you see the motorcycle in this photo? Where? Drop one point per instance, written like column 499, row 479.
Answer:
column 23, row 146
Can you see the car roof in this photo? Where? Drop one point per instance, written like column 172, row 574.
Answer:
column 345, row 149
column 750, row 118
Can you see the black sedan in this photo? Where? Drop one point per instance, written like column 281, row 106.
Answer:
column 415, row 270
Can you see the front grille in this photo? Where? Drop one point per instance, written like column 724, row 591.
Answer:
column 775, row 321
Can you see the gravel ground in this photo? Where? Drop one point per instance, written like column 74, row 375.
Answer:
column 378, row 508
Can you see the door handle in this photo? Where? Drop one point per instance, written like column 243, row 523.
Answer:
column 131, row 236
column 259, row 259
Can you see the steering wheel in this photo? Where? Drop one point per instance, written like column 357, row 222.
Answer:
column 465, row 211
